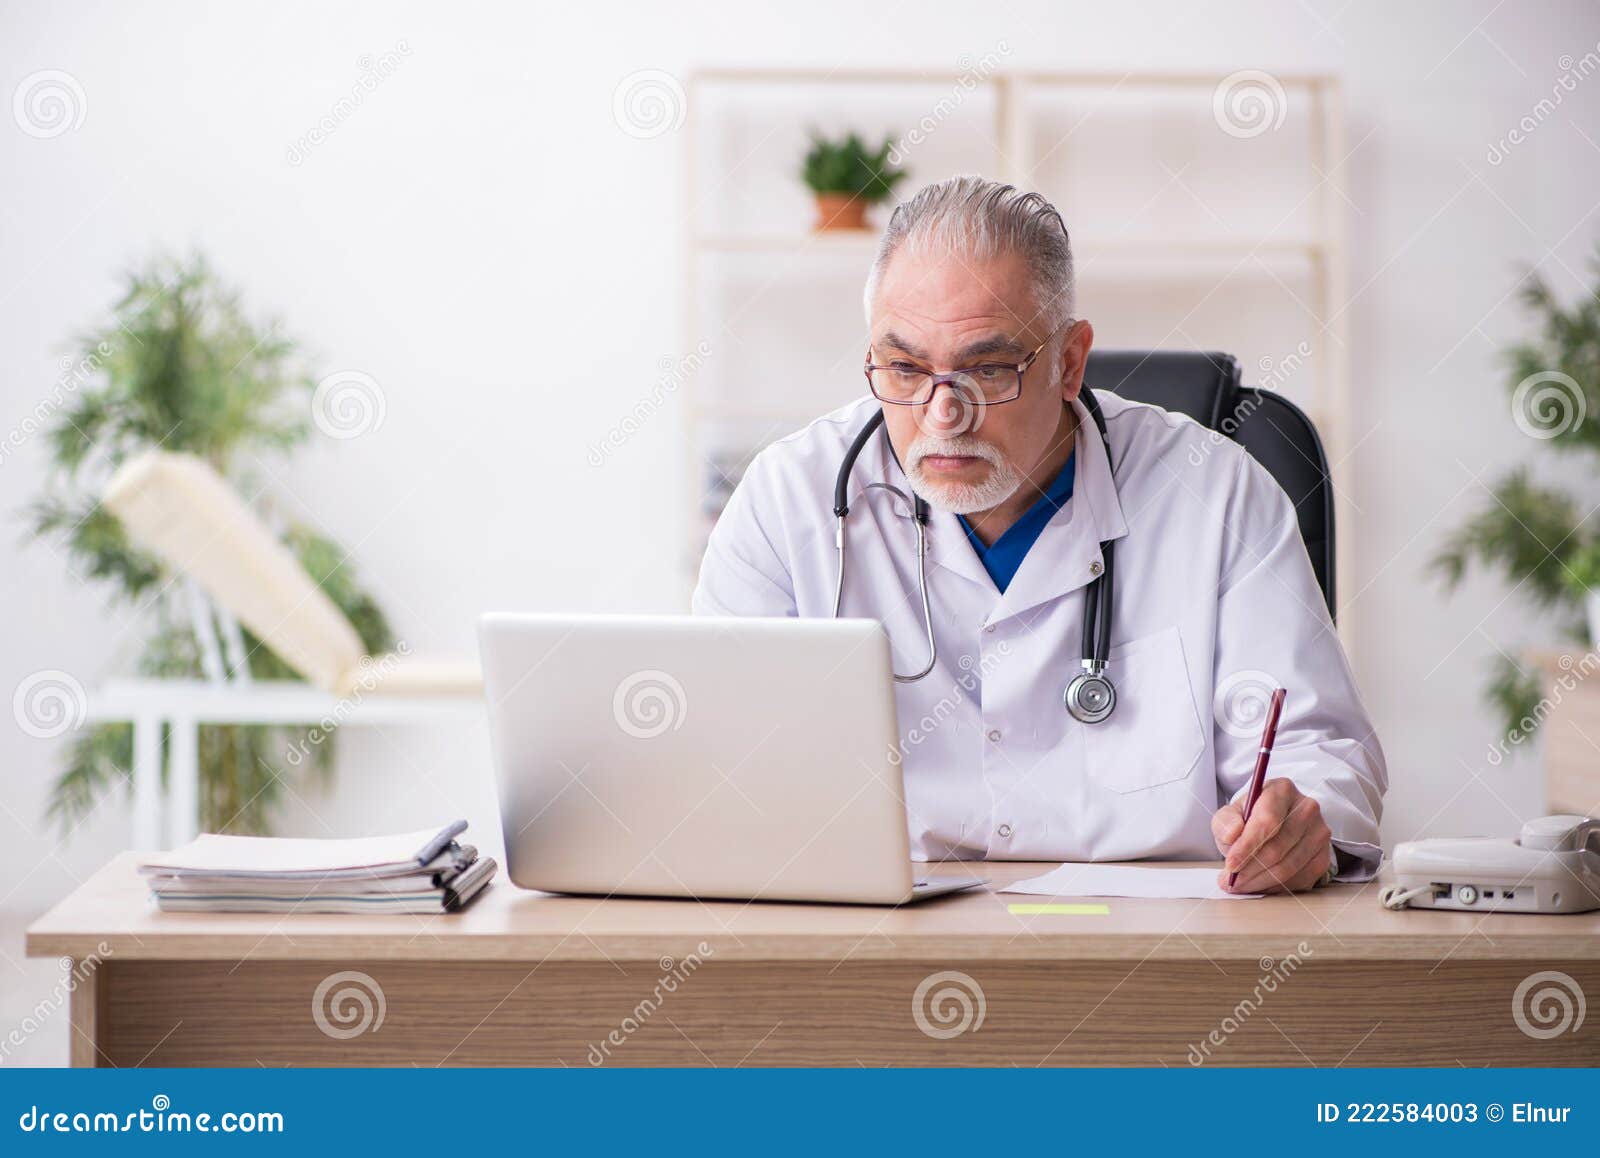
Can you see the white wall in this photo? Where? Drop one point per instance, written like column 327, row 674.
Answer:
column 482, row 217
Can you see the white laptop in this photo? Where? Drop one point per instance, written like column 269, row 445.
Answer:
column 701, row 757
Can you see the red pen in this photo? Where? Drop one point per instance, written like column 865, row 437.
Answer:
column 1269, row 735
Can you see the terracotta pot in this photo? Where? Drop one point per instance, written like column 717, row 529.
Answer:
column 840, row 211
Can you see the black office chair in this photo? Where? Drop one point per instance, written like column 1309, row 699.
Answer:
column 1206, row 387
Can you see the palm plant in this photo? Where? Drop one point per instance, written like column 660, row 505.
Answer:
column 1533, row 533
column 180, row 366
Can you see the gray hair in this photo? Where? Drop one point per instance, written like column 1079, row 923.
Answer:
column 980, row 220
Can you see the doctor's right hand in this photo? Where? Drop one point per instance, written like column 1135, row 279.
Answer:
column 1285, row 848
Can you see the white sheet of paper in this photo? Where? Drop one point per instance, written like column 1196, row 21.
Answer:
column 215, row 853
column 1119, row 880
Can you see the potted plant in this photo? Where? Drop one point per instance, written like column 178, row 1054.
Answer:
column 846, row 177
column 1583, row 580
column 1538, row 536
column 179, row 365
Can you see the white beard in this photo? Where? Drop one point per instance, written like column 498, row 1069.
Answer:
column 957, row 497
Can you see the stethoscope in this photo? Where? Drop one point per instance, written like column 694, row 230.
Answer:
column 1090, row 696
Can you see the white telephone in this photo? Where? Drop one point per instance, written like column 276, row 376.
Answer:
column 1553, row 866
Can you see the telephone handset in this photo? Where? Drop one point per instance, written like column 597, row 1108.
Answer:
column 1552, row 866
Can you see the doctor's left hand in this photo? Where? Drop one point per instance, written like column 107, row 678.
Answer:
column 1286, row 847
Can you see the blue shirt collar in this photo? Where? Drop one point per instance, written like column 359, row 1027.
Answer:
column 1002, row 558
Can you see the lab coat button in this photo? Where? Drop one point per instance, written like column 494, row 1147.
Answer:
column 994, row 735
column 1004, row 830
column 1095, row 568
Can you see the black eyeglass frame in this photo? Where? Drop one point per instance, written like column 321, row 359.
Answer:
column 972, row 394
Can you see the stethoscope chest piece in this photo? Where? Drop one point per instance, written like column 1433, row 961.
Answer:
column 1090, row 696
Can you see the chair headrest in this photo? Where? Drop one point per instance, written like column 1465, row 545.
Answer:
column 1204, row 385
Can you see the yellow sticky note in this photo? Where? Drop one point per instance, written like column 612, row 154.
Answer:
column 1058, row 910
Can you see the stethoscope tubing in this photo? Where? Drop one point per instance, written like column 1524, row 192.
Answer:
column 1096, row 645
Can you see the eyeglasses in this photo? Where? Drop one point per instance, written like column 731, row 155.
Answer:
column 902, row 384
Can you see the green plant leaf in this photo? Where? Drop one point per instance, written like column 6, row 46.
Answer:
column 849, row 166
column 99, row 759
column 1536, row 537
column 1525, row 532
column 1516, row 692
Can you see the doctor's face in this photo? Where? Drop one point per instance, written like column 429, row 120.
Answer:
column 943, row 314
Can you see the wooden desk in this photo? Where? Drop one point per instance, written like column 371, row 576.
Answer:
column 1324, row 978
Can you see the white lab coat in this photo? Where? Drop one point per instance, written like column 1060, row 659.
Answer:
column 1215, row 604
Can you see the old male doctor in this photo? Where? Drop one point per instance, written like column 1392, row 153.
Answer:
column 977, row 360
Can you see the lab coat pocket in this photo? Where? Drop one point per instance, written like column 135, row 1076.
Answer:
column 1153, row 736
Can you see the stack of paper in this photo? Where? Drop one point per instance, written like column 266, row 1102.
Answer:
column 415, row 872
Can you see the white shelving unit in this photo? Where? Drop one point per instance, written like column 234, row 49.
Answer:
column 1187, row 235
